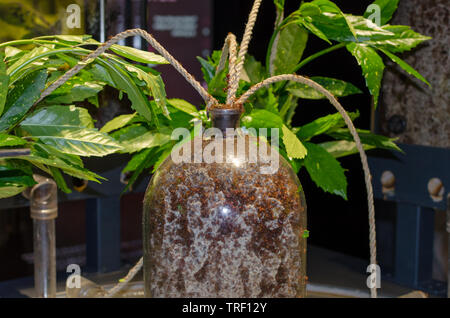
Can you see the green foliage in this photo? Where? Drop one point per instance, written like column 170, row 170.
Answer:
column 59, row 131
column 274, row 107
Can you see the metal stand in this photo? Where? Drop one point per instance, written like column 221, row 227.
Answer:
column 44, row 210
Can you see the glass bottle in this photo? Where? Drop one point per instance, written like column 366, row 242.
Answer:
column 227, row 226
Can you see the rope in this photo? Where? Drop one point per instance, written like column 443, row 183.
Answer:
column 359, row 146
column 105, row 46
column 124, row 281
column 229, row 50
column 234, row 81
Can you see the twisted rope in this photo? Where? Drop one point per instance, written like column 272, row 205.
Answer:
column 124, row 281
column 359, row 146
column 209, row 100
column 229, row 50
column 234, row 81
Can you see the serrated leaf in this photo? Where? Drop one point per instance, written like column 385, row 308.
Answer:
column 342, row 148
column 118, row 122
column 59, row 179
column 136, row 137
column 21, row 98
column 294, row 147
column 261, row 118
column 69, row 130
column 372, row 67
column 155, row 85
column 138, row 55
column 322, row 125
column 10, row 140
column 309, row 9
column 59, row 117
column 82, row 141
column 328, row 6
column 313, row 29
column 39, row 156
column 337, row 87
column 405, row 66
column 183, row 106
column 402, row 39
column 74, row 92
column 386, row 9
column 149, row 158
column 124, row 82
column 290, row 46
column 136, row 160
column 367, row 138
column 325, row 170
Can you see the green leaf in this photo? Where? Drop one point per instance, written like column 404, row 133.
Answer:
column 10, row 140
column 147, row 159
column 254, row 70
column 59, row 179
column 11, row 176
column 322, row 125
column 41, row 155
column 309, row 9
column 21, row 98
column 155, row 85
column 83, row 141
column 6, row 192
column 208, row 69
column 183, row 106
column 138, row 55
column 290, row 46
column 372, row 67
column 136, row 137
column 58, row 117
column 402, row 39
column 367, row 138
column 405, row 66
column 69, row 130
column 387, row 9
column 4, row 81
column 261, row 118
column 124, row 82
column 313, row 29
column 74, row 90
column 136, row 160
column 294, row 147
column 328, row 6
column 325, row 171
column 38, row 51
column 118, row 122
column 342, row 148
column 337, row 87
column 336, row 27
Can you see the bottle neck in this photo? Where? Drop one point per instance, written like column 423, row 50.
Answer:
column 225, row 118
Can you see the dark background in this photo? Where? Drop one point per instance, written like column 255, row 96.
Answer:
column 333, row 222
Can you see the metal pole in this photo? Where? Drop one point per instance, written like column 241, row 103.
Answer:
column 44, row 210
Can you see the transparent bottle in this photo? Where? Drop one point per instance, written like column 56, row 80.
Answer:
column 224, row 229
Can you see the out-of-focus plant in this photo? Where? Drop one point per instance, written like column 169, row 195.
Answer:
column 55, row 130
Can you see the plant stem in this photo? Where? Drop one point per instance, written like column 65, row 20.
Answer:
column 318, row 54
